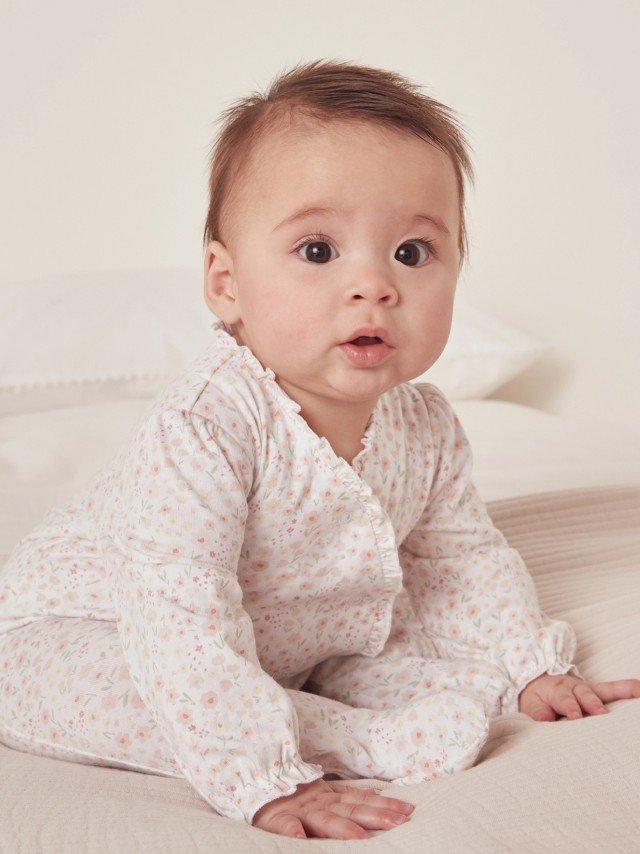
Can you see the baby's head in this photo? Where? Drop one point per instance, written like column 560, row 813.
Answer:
column 387, row 165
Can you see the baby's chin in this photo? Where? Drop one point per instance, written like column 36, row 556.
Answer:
column 360, row 384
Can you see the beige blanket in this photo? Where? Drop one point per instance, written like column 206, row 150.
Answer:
column 569, row 785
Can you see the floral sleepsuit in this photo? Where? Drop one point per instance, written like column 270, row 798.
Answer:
column 230, row 602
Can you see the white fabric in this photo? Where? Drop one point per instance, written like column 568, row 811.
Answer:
column 226, row 532
column 46, row 456
column 519, row 450
column 537, row 786
column 114, row 334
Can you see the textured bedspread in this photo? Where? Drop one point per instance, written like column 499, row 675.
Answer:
column 560, row 786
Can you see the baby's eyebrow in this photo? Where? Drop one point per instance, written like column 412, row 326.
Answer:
column 316, row 210
column 304, row 212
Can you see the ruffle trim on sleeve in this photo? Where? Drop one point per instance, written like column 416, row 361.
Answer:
column 554, row 656
column 253, row 791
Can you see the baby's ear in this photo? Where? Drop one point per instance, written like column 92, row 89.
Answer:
column 219, row 285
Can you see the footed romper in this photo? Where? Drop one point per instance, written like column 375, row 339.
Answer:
column 230, row 602
column 66, row 692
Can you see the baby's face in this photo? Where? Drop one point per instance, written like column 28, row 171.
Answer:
column 297, row 287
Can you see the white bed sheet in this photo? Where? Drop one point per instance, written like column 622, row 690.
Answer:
column 518, row 450
column 45, row 457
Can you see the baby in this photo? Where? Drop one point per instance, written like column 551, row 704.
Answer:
column 286, row 574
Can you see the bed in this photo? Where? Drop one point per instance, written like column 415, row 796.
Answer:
column 566, row 494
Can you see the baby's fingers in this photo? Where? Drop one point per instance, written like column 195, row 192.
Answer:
column 284, row 823
column 351, row 794
column 588, row 699
column 619, row 689
column 565, row 702
column 368, row 816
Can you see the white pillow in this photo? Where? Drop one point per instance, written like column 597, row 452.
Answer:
column 482, row 354
column 92, row 336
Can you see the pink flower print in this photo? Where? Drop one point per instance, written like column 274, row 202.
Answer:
column 142, row 733
column 109, row 701
column 44, row 716
column 209, row 700
column 418, row 736
column 184, row 715
column 425, row 766
column 54, row 735
column 123, row 740
column 172, row 695
column 136, row 700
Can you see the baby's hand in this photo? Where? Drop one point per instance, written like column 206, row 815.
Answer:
column 329, row 808
column 565, row 694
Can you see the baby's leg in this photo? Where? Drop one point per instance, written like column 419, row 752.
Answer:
column 66, row 693
column 419, row 716
column 432, row 734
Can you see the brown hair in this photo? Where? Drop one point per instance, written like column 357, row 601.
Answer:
column 325, row 90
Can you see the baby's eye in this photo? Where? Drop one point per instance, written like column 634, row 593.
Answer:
column 318, row 245
column 407, row 254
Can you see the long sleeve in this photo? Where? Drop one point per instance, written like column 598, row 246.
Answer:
column 175, row 537
column 472, row 593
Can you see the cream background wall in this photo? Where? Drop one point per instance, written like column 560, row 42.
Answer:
column 109, row 110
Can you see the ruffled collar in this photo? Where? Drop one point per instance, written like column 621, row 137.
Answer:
column 226, row 338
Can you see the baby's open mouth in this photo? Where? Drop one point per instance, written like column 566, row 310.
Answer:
column 363, row 339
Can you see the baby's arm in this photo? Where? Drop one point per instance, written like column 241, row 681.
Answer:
column 187, row 640
column 473, row 593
